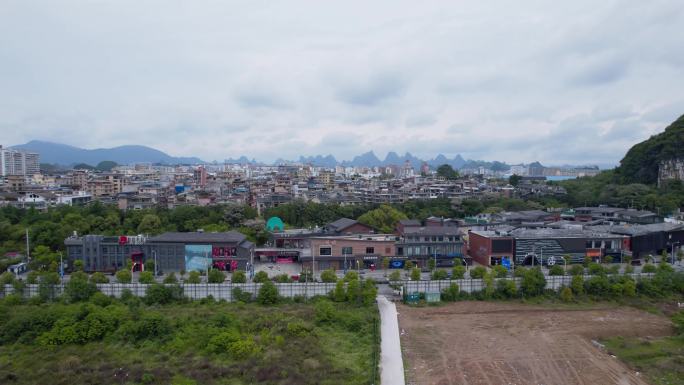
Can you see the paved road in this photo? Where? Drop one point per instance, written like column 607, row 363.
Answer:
column 391, row 363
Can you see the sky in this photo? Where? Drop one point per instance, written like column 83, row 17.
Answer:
column 573, row 82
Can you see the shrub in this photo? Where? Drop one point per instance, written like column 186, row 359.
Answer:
column 220, row 342
column 408, row 265
column 99, row 277
column 171, row 279
column 395, row 276
column 506, row 289
column 32, row 277
column 353, row 291
column 194, row 277
column 242, row 296
column 369, row 292
column 100, row 299
column 450, row 293
column 146, row 277
column 325, row 312
column 216, row 276
column 533, row 282
column 340, row 293
column 46, row 287
column 78, row 275
column 629, row 288
column 351, row 276
column 566, row 295
column 595, row 269
column 329, row 276
column 150, row 326
column 242, row 349
column 415, row 274
column 458, row 272
column 500, row 271
column 556, row 270
column 577, row 284
column 629, row 269
column 78, row 290
column 162, row 294
column 478, row 272
column 519, row 272
column 648, row 268
column 268, row 294
column 261, row 277
column 577, row 270
column 598, row 286
column 439, row 275
column 123, row 276
column 238, row 276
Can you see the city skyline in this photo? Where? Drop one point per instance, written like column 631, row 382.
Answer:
column 561, row 84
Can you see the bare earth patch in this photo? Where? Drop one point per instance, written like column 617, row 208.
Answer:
column 508, row 343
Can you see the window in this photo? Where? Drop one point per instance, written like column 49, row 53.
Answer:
column 347, row 250
column 325, row 251
column 440, row 238
column 400, row 251
column 370, row 250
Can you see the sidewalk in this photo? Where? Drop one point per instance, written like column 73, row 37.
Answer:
column 391, row 363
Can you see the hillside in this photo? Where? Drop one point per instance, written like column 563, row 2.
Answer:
column 640, row 164
column 57, row 153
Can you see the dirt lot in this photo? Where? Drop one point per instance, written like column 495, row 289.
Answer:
column 508, row 343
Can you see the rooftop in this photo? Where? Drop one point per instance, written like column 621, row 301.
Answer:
column 199, row 237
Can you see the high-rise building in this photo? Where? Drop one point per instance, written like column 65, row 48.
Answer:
column 17, row 162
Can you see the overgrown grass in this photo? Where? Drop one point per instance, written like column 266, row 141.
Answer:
column 282, row 344
column 660, row 360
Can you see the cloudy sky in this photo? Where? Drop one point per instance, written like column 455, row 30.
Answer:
column 560, row 82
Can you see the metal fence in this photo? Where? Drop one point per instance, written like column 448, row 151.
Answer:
column 469, row 285
column 193, row 291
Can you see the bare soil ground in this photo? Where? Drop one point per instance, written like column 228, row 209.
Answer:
column 508, row 343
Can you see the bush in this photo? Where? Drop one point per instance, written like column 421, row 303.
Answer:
column 242, row 349
column 577, row 284
column 450, row 293
column 221, row 342
column 216, row 276
column 533, row 282
column 162, row 294
column 238, row 276
column 458, row 272
column 268, row 294
column 598, row 286
column 629, row 269
column 506, row 289
column 124, row 276
column 329, row 276
column 648, row 268
column 171, row 279
column 500, row 271
column 595, row 269
column 351, row 276
column 100, row 299
column 439, row 275
column 242, row 296
column 478, row 272
column 556, row 270
column 78, row 275
column 78, row 290
column 577, row 270
column 369, row 292
column 99, row 278
column 395, row 276
column 150, row 326
column 261, row 277
column 325, row 312
column 194, row 277
column 415, row 274
column 146, row 277
column 32, row 277
column 283, row 278
column 566, row 295
column 629, row 288
column 340, row 293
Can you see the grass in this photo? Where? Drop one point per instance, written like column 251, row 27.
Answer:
column 660, row 360
column 290, row 346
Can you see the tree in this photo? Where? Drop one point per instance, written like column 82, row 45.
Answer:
column 146, row 277
column 415, row 274
column 106, row 165
column 439, row 275
column 458, row 272
column 556, row 270
column 150, row 224
column 384, row 218
column 431, row 264
column 533, row 282
column 282, row 278
column 99, row 277
column 450, row 293
column 369, row 292
column 78, row 265
column 261, row 277
column 500, row 271
column 216, row 276
column 79, row 290
column 353, row 291
column 339, row 294
column 385, row 264
column 577, row 270
column 514, row 180
column 238, row 276
column 395, row 276
column 566, row 295
column 577, row 284
column 447, row 172
column 268, row 293
column 351, row 276
column 408, row 265
column 478, row 272
column 171, row 278
column 648, row 268
column 194, row 277
column 680, row 256
column 124, row 276
column 329, row 276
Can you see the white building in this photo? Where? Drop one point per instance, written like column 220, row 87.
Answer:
column 17, row 162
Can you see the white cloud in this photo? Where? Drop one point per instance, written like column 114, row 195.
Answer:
column 556, row 82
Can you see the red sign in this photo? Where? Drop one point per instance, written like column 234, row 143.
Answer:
column 123, row 240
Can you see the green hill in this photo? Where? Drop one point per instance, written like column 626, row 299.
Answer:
column 640, row 164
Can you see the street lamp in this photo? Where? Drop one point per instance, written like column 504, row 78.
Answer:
column 154, row 253
column 673, row 251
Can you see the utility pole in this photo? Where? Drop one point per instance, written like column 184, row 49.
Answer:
column 154, row 253
column 28, row 247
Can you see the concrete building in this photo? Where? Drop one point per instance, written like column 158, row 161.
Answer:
column 17, row 162
column 359, row 251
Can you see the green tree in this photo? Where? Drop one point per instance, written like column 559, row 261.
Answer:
column 500, row 271
column 514, row 180
column 329, row 276
column 415, row 274
column 369, row 292
column 261, row 277
column 150, row 224
column 577, row 284
column 171, row 278
column 458, row 272
column 146, row 277
column 238, row 276
column 123, row 276
column 351, row 276
column 556, row 270
column 99, row 277
column 385, row 264
column 648, row 268
column 216, row 276
column 533, row 282
column 194, row 277
column 566, row 295
column 450, row 293
column 353, row 291
column 339, row 294
column 408, row 265
column 447, row 172
column 431, row 264
column 78, row 265
column 79, row 290
column 439, row 275
column 488, row 280
column 395, row 276
column 577, row 270
column 478, row 272
column 282, row 278
column 384, row 218
column 268, row 293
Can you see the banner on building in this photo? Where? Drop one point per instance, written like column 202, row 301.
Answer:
column 197, row 257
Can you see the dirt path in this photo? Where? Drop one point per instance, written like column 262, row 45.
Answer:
column 391, row 362
column 504, row 343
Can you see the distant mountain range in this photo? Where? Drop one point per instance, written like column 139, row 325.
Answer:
column 62, row 154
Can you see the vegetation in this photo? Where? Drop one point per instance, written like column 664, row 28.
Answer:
column 103, row 340
column 447, row 172
column 385, row 218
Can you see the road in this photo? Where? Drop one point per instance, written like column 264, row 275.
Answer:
column 391, row 363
